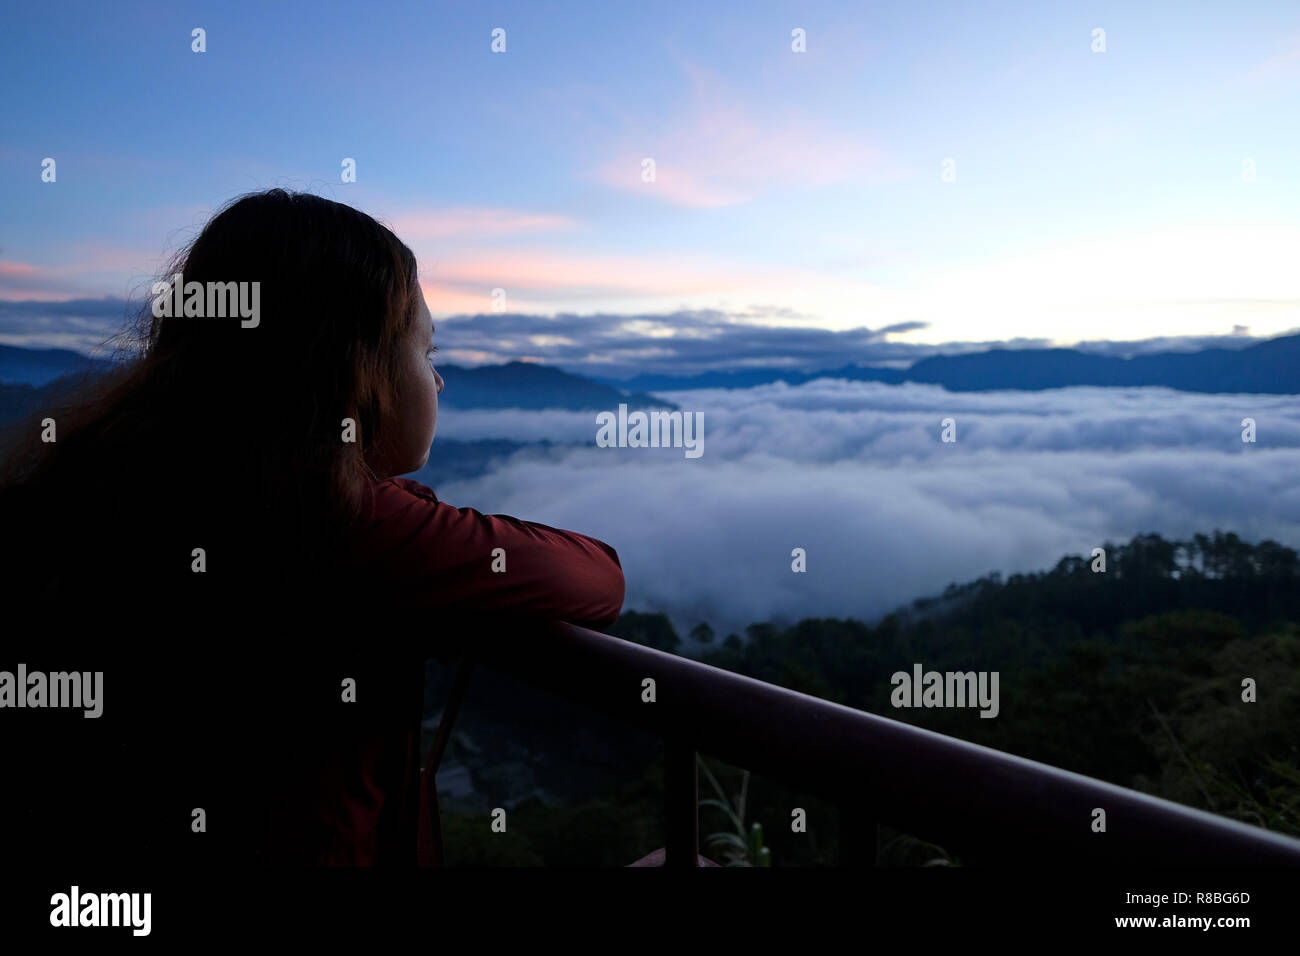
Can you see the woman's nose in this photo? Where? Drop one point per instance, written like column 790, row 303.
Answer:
column 441, row 383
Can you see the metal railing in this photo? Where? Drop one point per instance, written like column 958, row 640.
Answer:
column 990, row 807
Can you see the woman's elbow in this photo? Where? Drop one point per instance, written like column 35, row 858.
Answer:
column 608, row 598
column 614, row 603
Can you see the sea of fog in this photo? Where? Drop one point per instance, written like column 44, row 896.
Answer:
column 857, row 475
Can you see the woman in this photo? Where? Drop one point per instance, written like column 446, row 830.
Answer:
column 217, row 526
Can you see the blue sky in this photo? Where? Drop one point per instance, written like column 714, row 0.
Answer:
column 1097, row 195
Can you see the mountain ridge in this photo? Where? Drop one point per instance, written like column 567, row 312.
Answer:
column 1268, row 367
column 29, row 376
column 32, row 378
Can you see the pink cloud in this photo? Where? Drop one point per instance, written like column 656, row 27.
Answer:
column 93, row 267
column 721, row 154
column 23, row 294
column 545, row 272
column 21, row 281
column 17, row 270
column 533, row 280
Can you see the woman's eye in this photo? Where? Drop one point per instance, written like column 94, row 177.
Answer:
column 432, row 349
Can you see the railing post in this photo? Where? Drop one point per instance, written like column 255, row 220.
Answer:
column 858, row 833
column 681, row 804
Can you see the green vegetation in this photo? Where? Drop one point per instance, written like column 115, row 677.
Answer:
column 734, row 846
column 1133, row 676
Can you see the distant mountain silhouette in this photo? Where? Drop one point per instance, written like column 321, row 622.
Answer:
column 31, row 378
column 748, row 378
column 19, row 401
column 533, row 386
column 20, row 366
column 1271, row 367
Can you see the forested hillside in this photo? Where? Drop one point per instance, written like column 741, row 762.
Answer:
column 1132, row 675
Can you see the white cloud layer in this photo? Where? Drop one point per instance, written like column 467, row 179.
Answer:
column 856, row 474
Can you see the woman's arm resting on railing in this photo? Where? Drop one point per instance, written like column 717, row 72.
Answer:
column 460, row 560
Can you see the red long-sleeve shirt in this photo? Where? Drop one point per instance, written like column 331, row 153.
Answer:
column 441, row 558
column 223, row 692
column 354, row 797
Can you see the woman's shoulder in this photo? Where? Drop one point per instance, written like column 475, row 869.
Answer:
column 397, row 499
column 393, row 509
column 398, row 487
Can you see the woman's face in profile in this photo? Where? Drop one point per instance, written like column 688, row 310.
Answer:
column 417, row 396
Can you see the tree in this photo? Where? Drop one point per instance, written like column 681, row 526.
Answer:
column 702, row 633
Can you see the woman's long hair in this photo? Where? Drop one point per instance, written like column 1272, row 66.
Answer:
column 219, row 434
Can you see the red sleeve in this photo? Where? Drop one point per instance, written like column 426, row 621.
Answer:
column 442, row 557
